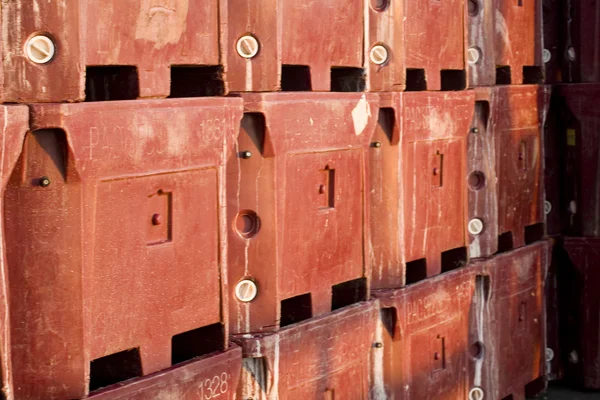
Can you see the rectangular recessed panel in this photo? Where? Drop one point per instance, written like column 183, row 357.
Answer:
column 324, row 229
column 155, row 258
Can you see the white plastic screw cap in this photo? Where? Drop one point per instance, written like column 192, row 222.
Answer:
column 246, row 290
column 379, row 54
column 549, row 354
column 547, row 207
column 572, row 207
column 571, row 54
column 247, row 46
column 40, row 49
column 573, row 357
column 473, row 55
column 475, row 226
column 476, row 394
column 546, row 56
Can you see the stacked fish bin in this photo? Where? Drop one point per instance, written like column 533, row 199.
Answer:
column 292, row 199
column 572, row 177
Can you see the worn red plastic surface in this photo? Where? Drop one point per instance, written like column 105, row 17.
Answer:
column 290, row 36
column 507, row 335
column 518, row 38
column 417, row 193
column 435, row 38
column 582, row 322
column 325, row 358
column 425, row 328
column 582, row 38
column 481, row 68
column 90, row 256
column 211, row 377
column 481, row 181
column 297, row 206
column 15, row 125
column 517, row 114
column 581, row 143
column 151, row 36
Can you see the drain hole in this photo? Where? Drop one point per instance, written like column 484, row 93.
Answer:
column 197, row 342
column 115, row 368
column 453, row 79
column 503, row 75
column 476, row 350
column 416, row 271
column 505, row 242
column 347, row 79
column 415, row 80
column 196, row 81
column 534, row 232
column 347, row 293
column 476, row 180
column 454, row 258
column 533, row 75
column 296, row 309
column 295, row 78
column 111, row 83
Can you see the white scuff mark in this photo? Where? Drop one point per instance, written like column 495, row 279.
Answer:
column 274, row 392
column 378, row 390
column 361, row 115
column 475, row 248
column 502, row 30
column 5, row 334
column 248, row 75
column 479, row 316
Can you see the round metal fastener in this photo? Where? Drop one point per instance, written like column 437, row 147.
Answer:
column 473, row 55
column 475, row 226
column 377, row 144
column 156, row 219
column 246, row 290
column 549, row 354
column 571, row 54
column 247, row 46
column 546, row 56
column 40, row 49
column 378, row 345
column 44, row 181
column 476, row 394
column 547, row 207
column 573, row 357
column 379, row 54
column 474, row 130
column 246, row 154
column 572, row 207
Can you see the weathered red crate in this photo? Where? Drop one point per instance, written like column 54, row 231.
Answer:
column 553, row 53
column 554, row 161
column 507, row 335
column 481, row 66
column 516, row 115
column 434, row 42
column 324, row 358
column 15, row 126
column 582, row 320
column 300, row 48
column 149, row 36
column 518, row 41
column 582, row 41
column 213, row 376
column 111, row 244
column 424, row 332
column 297, row 207
column 556, row 292
column 418, row 191
column 580, row 121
